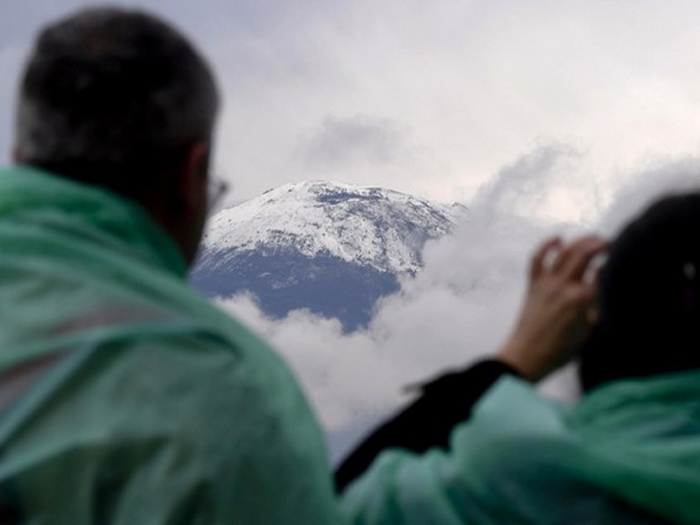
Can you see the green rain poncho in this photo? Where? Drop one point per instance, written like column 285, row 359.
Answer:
column 125, row 398
column 628, row 453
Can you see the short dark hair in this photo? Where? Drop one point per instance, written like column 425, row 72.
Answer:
column 649, row 298
column 110, row 95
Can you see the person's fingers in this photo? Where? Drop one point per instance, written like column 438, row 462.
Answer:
column 595, row 268
column 576, row 258
column 583, row 256
column 568, row 252
column 537, row 262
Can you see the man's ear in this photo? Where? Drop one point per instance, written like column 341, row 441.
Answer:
column 16, row 155
column 192, row 183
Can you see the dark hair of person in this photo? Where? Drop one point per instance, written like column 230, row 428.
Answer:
column 649, row 298
column 111, row 97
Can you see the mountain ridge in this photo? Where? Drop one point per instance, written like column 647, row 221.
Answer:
column 318, row 216
column 330, row 247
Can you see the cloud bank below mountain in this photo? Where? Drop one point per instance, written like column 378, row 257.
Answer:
column 462, row 304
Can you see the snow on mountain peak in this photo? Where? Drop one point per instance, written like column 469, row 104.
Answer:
column 375, row 227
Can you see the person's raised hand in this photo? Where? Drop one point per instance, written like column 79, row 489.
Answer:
column 555, row 318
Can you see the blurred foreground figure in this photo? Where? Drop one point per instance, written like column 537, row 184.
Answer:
column 627, row 453
column 124, row 396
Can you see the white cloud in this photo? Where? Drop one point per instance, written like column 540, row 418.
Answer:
column 464, row 302
column 459, row 307
column 341, row 142
column 654, row 180
column 475, row 84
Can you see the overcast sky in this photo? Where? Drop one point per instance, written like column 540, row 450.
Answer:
column 432, row 98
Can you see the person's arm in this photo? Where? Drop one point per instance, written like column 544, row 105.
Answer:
column 429, row 420
column 552, row 324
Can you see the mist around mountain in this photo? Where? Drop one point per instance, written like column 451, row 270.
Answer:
column 330, row 248
column 462, row 303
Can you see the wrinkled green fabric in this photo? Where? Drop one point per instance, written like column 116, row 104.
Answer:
column 155, row 407
column 628, row 453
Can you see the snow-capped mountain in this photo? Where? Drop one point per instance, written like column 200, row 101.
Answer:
column 329, row 247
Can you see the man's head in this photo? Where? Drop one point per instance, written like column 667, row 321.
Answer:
column 119, row 99
column 649, row 299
